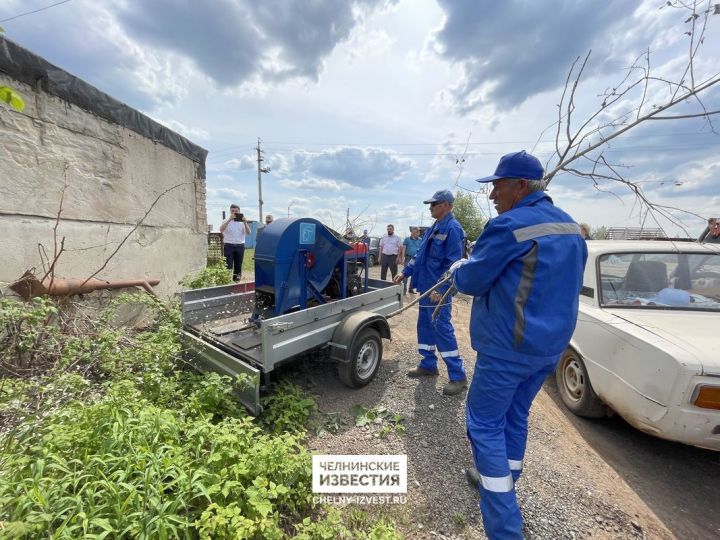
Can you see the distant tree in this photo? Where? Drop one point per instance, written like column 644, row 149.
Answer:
column 599, row 233
column 467, row 213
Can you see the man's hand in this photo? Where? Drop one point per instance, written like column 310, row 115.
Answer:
column 399, row 278
column 435, row 297
column 457, row 264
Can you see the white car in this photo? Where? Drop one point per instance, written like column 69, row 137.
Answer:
column 647, row 342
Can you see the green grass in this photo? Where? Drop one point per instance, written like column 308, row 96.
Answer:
column 248, row 261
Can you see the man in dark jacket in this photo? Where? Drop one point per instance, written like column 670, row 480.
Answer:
column 525, row 274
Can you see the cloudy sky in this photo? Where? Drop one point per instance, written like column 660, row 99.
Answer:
column 372, row 105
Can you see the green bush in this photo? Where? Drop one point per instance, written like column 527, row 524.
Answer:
column 120, row 440
column 29, row 336
column 286, row 408
column 126, row 466
column 210, row 276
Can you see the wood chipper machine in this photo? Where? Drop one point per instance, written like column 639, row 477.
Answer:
column 311, row 293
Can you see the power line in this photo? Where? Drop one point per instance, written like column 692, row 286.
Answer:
column 230, row 150
column 612, row 150
column 34, row 11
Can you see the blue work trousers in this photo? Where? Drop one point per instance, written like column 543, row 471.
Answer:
column 438, row 335
column 498, row 405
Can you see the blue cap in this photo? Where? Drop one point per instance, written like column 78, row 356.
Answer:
column 441, row 196
column 517, row 165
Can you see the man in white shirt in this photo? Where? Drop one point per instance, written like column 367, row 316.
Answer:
column 390, row 252
column 234, row 229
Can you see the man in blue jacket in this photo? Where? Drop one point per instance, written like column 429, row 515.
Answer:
column 525, row 274
column 441, row 245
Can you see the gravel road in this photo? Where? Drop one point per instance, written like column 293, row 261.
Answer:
column 679, row 482
column 567, row 490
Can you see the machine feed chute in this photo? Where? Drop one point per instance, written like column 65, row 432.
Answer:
column 299, row 262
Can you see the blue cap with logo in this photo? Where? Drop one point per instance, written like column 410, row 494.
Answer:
column 517, row 165
column 441, row 196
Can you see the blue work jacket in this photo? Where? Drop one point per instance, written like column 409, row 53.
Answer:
column 441, row 245
column 525, row 272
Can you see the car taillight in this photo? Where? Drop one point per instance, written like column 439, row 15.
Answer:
column 708, row 397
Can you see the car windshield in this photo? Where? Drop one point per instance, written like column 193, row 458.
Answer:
column 685, row 281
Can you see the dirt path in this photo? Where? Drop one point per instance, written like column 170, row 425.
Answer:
column 567, row 490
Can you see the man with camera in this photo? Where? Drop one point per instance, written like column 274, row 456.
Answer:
column 234, row 229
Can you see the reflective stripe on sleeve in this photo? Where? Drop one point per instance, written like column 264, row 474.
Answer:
column 515, row 464
column 424, row 347
column 545, row 229
column 498, row 484
column 449, row 354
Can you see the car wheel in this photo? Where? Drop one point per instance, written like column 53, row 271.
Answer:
column 575, row 388
column 364, row 361
column 372, row 260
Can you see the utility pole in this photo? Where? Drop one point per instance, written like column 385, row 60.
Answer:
column 260, row 170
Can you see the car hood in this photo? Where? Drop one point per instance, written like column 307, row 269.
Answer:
column 695, row 332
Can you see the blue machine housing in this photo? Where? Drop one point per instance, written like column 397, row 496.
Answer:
column 295, row 260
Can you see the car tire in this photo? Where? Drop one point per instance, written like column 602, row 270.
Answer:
column 364, row 360
column 372, row 260
column 574, row 387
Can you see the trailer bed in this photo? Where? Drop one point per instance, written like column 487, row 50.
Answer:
column 218, row 336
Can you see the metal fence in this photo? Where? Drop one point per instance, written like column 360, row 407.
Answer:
column 215, row 247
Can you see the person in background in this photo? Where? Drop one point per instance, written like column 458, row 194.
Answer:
column 269, row 219
column 711, row 234
column 234, row 229
column 525, row 274
column 585, row 231
column 365, row 238
column 390, row 247
column 408, row 251
column 441, row 245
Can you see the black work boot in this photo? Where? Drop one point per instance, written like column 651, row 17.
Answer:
column 454, row 387
column 422, row 372
column 473, row 477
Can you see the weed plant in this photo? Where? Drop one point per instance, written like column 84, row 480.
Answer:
column 107, row 434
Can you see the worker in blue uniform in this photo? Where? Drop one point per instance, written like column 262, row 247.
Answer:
column 441, row 245
column 525, row 274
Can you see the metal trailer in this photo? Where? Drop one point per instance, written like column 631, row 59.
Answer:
column 217, row 337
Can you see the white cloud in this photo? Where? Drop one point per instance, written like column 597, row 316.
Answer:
column 314, row 183
column 358, row 167
column 226, row 194
column 243, row 163
column 192, row 133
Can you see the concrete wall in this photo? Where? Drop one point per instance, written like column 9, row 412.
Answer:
column 111, row 177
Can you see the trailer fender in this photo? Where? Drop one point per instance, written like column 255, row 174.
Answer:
column 346, row 332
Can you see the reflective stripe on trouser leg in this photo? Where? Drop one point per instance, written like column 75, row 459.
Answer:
column 516, row 466
column 516, row 418
column 489, row 398
column 445, row 339
column 426, row 336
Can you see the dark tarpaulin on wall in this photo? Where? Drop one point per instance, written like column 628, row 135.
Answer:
column 29, row 68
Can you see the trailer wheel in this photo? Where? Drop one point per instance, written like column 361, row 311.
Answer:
column 364, row 359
